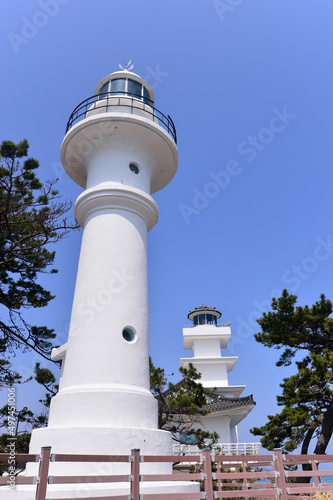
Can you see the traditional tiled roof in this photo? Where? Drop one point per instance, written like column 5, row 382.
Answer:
column 205, row 309
column 221, row 403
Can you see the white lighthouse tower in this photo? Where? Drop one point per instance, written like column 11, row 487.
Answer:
column 120, row 149
column 206, row 337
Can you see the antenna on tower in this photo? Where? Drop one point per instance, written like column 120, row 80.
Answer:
column 127, row 66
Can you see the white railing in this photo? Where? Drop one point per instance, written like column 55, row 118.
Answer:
column 219, row 448
column 218, row 326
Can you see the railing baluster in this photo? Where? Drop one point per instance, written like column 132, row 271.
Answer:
column 83, row 107
column 226, row 448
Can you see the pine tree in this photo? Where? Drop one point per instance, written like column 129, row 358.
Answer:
column 31, row 218
column 181, row 405
column 307, row 396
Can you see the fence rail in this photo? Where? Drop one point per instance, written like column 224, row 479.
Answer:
column 218, row 476
column 219, row 448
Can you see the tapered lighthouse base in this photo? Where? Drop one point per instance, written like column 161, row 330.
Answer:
column 101, row 441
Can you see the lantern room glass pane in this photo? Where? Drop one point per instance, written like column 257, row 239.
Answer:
column 195, row 320
column 104, row 90
column 134, row 88
column 202, row 319
column 209, row 319
column 119, row 84
column 146, row 96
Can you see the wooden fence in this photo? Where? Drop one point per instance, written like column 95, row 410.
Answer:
column 220, row 476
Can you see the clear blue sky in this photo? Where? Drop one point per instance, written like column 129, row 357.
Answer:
column 249, row 87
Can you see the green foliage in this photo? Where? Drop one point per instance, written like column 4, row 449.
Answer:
column 31, row 218
column 307, row 396
column 12, row 419
column 181, row 405
column 21, row 446
column 296, row 328
column 21, row 443
column 7, row 375
column 45, row 377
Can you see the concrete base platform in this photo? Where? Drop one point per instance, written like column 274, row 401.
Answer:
column 100, row 441
column 97, row 490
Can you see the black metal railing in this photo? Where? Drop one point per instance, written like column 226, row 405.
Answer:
column 126, row 100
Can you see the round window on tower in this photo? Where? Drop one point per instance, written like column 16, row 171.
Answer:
column 134, row 168
column 129, row 334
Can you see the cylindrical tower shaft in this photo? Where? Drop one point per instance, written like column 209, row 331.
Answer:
column 106, row 358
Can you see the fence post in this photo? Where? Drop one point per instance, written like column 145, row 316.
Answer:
column 279, row 468
column 207, row 468
column 316, row 479
column 135, row 472
column 244, row 469
column 219, row 469
column 43, row 473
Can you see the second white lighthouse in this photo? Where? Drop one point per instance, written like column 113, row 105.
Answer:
column 120, row 149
